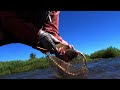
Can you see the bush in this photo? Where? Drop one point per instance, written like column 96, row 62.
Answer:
column 106, row 53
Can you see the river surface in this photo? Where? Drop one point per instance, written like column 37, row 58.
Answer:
column 99, row 69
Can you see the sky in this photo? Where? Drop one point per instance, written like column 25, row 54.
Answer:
column 87, row 31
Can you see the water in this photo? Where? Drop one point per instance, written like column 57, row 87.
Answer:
column 101, row 69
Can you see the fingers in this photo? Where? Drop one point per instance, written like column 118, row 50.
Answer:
column 61, row 50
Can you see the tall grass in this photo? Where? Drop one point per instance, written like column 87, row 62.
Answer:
column 106, row 53
column 11, row 67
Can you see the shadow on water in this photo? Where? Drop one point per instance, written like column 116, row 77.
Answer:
column 101, row 69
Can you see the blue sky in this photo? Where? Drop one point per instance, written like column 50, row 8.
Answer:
column 87, row 31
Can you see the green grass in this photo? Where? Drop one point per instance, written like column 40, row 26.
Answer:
column 11, row 67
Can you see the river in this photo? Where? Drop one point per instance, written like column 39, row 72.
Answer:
column 99, row 69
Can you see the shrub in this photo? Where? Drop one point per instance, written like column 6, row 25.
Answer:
column 106, row 53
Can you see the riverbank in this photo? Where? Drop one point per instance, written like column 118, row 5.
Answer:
column 11, row 67
column 100, row 69
column 14, row 67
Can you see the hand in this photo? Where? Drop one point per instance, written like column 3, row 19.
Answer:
column 47, row 41
column 66, row 52
column 62, row 50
